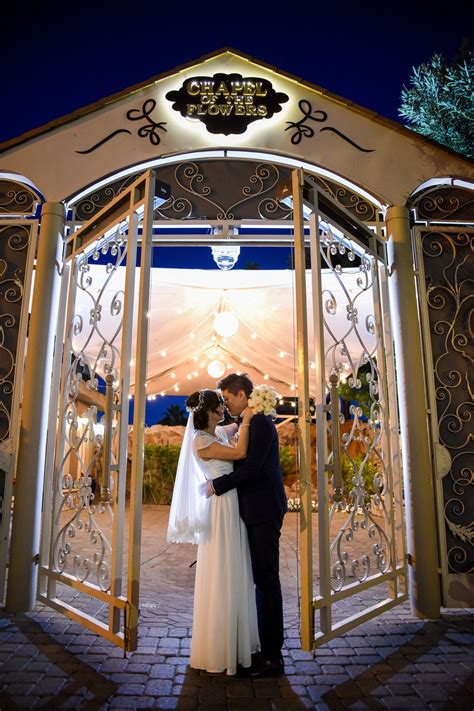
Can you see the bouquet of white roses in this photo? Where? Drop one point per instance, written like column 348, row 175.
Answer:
column 264, row 399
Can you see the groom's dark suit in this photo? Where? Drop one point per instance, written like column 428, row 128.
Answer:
column 262, row 504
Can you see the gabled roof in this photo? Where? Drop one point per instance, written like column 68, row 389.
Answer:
column 90, row 108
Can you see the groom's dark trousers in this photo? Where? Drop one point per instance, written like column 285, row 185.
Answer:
column 262, row 504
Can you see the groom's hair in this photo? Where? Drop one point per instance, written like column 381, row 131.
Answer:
column 235, row 382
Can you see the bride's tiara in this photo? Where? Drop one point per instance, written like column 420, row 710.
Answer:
column 199, row 405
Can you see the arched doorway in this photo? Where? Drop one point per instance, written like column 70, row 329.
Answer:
column 335, row 238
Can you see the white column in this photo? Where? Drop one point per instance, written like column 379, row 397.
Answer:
column 24, row 552
column 424, row 581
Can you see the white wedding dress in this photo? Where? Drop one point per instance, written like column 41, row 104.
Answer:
column 225, row 631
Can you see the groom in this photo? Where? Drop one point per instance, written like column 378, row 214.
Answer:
column 262, row 504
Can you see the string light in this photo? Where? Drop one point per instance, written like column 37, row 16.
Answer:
column 254, row 336
column 172, row 375
column 163, row 354
column 226, row 324
column 215, row 369
column 176, row 387
column 282, row 354
column 266, row 376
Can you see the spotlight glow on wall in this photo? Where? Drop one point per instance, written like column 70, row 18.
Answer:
column 226, row 324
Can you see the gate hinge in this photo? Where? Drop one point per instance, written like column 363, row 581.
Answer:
column 36, row 559
column 410, row 559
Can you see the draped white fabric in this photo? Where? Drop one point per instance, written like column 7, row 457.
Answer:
column 183, row 305
column 189, row 513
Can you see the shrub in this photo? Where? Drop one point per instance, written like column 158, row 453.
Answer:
column 349, row 470
column 287, row 460
column 160, row 464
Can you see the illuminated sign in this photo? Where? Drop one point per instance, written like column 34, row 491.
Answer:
column 227, row 103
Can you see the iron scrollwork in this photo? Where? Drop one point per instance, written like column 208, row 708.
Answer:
column 365, row 497
column 17, row 198
column 191, row 181
column 92, row 203
column 82, row 547
column 449, row 268
column 14, row 243
column 444, row 203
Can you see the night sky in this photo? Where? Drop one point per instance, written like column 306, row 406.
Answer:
column 61, row 57
column 56, row 60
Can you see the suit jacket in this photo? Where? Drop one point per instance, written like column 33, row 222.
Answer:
column 258, row 477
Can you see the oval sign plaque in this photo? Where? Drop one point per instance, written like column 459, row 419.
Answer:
column 227, row 103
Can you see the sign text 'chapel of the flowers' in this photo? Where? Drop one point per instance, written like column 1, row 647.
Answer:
column 227, row 103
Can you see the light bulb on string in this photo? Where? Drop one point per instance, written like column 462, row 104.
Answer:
column 226, row 324
column 216, row 369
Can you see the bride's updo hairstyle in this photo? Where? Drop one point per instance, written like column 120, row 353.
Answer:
column 201, row 403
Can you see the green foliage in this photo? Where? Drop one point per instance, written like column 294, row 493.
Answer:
column 160, row 464
column 287, row 460
column 360, row 395
column 351, row 468
column 439, row 101
column 173, row 416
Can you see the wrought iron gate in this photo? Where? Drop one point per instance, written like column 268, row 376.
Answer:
column 445, row 265
column 89, row 567
column 358, row 532
column 17, row 253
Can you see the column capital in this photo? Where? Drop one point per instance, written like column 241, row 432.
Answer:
column 54, row 208
column 395, row 212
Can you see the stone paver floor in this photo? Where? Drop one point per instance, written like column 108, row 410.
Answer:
column 395, row 661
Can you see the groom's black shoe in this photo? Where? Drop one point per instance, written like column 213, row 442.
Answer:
column 266, row 667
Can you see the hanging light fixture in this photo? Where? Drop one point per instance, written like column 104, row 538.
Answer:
column 226, row 324
column 216, row 369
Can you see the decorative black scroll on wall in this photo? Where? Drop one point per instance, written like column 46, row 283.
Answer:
column 305, row 126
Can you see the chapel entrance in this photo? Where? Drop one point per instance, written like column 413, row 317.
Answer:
column 349, row 499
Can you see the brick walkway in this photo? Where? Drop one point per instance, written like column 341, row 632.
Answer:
column 393, row 662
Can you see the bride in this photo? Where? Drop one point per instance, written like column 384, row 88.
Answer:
column 225, row 630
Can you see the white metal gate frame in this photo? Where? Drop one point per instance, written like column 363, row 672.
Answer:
column 114, row 229
column 390, row 563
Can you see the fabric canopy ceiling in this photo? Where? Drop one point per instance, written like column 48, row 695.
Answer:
column 183, row 340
